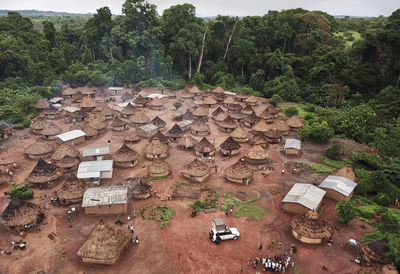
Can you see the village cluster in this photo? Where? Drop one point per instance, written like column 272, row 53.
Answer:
column 85, row 172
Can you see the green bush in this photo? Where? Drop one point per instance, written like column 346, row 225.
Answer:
column 346, row 212
column 21, row 191
column 164, row 225
column 321, row 168
column 27, row 122
column 290, row 111
column 275, row 99
column 177, row 105
column 319, row 132
column 382, row 199
column 334, row 151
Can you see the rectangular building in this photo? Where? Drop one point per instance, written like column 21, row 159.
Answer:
column 292, row 147
column 98, row 153
column 338, row 188
column 73, row 137
column 105, row 200
column 95, row 170
column 302, row 198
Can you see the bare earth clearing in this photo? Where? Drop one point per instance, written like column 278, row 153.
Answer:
column 183, row 246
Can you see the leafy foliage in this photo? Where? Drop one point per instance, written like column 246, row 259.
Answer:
column 334, row 151
column 21, row 191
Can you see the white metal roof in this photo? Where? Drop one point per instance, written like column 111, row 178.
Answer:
column 92, row 169
column 149, row 128
column 71, row 135
column 55, row 100
column 154, row 95
column 71, row 109
column 293, row 143
column 305, row 194
column 99, row 196
column 115, row 88
column 185, row 123
column 229, row 93
column 57, row 105
column 95, row 151
column 339, row 184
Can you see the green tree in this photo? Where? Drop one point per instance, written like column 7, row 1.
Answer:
column 334, row 151
column 21, row 191
column 345, row 211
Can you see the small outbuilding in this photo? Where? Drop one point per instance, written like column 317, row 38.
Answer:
column 88, row 104
column 138, row 188
column 156, row 150
column 247, row 110
column 68, row 93
column 252, row 100
column 51, row 112
column 241, row 96
column 234, row 107
column 187, row 142
column 239, row 173
column 217, row 111
column 281, row 126
column 105, row 200
column 185, row 124
column 39, row 149
column 140, row 101
column 347, row 172
column 295, row 123
column 156, row 104
column 273, row 135
column 131, row 138
column 229, row 147
column 256, row 155
column 237, row 116
column 158, row 169
column 292, row 147
column 204, row 148
column 44, row 175
column 128, row 111
column 37, row 125
column 96, row 153
column 50, row 131
column 174, row 133
column 73, row 137
column 42, row 104
column 200, row 112
column 161, row 137
column 227, row 125
column 303, row 197
column 267, row 116
column 338, row 188
column 260, row 139
column 126, row 157
column 119, row 125
column 209, row 101
column 139, row 119
column 240, row 135
column 147, row 131
column 261, row 127
column 66, row 157
column 196, row 171
column 126, row 96
column 200, row 129
column 158, row 122
column 94, row 171
column 251, row 120
column 71, row 191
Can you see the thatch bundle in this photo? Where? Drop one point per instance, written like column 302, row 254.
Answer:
column 295, row 122
column 156, row 103
column 158, row 122
column 204, row 148
column 128, row 111
column 88, row 103
column 274, row 135
column 126, row 157
column 20, row 215
column 251, row 100
column 139, row 118
column 39, row 149
column 217, row 111
column 187, row 142
column 126, row 96
column 308, row 228
column 104, row 244
column 196, row 171
column 281, row 126
column 161, row 137
column 50, row 130
column 44, row 175
column 375, row 251
column 131, row 138
column 209, row 100
column 159, row 169
column 234, row 107
column 240, row 135
column 199, row 128
column 256, row 155
column 42, row 104
column 71, row 191
column 175, row 132
column 200, row 112
column 195, row 90
column 238, row 173
column 156, row 150
column 261, row 126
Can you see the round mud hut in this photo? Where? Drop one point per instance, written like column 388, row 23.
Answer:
column 217, row 111
column 158, row 122
column 44, row 175
column 137, row 188
column 229, row 147
column 240, row 135
column 51, row 112
column 39, row 149
column 241, row 96
column 238, row 173
column 159, row 169
column 66, row 157
column 209, row 101
column 91, row 133
column 128, row 111
column 281, row 126
column 174, row 133
column 104, row 245
column 125, row 157
column 220, row 117
column 195, row 91
column 237, row 116
column 187, row 142
column 37, row 125
column 204, row 148
column 71, row 191
column 42, row 104
column 200, row 112
column 227, row 125
column 119, row 125
column 261, row 127
column 140, row 101
column 267, row 116
column 259, row 138
column 186, row 95
column 220, row 97
column 295, row 123
column 20, row 215
column 126, row 96
column 88, row 104
column 251, row 120
column 256, row 155
column 156, row 150
column 156, row 104
column 234, row 107
column 308, row 228
column 252, row 100
column 247, row 110
column 274, row 135
column 200, row 129
column 131, row 138
column 229, row 100
column 196, row 171
column 50, row 131
column 375, row 251
column 68, row 93
column 161, row 137
column 139, row 119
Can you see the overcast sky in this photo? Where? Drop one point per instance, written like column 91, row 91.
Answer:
column 215, row 7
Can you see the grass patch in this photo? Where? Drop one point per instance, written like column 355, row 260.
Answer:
column 333, row 163
column 156, row 178
column 300, row 109
column 243, row 209
column 161, row 214
column 164, row 225
column 176, row 184
column 356, row 36
column 318, row 168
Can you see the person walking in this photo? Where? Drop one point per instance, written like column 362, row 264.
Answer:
column 137, row 240
column 258, row 196
column 132, row 229
column 226, row 213
column 155, row 193
column 216, row 169
column 261, row 245
column 283, row 172
column 231, row 210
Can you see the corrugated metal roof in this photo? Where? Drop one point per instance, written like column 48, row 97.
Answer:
column 55, row 100
column 339, row 184
column 95, row 151
column 154, row 95
column 99, row 196
column 115, row 88
column 305, row 194
column 229, row 93
column 293, row 143
column 93, row 169
column 70, row 135
column 71, row 109
column 149, row 128
column 185, row 123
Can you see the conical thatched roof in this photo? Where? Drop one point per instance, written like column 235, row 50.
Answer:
column 309, row 225
column 242, row 95
column 104, row 243
column 252, row 99
column 139, row 118
column 125, row 154
column 220, row 96
column 195, row 90
column 126, row 96
column 19, row 213
column 266, row 115
column 158, row 122
column 131, row 137
column 89, row 131
column 209, row 100
column 42, row 103
column 136, row 186
column 38, row 124
column 273, row 133
column 234, row 106
column 50, row 109
column 261, row 126
column 239, row 170
column 217, row 111
column 252, row 118
column 64, row 150
column 228, row 122
column 229, row 100
column 117, row 122
column 107, row 111
column 159, row 167
column 69, row 92
column 128, row 110
column 101, row 93
column 295, row 122
column 188, row 115
column 204, row 146
column 239, row 133
column 347, row 172
column 140, row 100
column 256, row 152
column 259, row 138
column 155, row 147
column 230, row 144
column 199, row 126
column 161, row 137
column 186, row 95
column 196, row 168
column 175, row 132
column 156, row 102
column 272, row 109
column 200, row 112
column 281, row 125
column 43, row 172
column 220, row 117
column 72, row 188
column 187, row 141
column 88, row 90
column 98, row 124
column 219, row 89
column 375, row 251
column 247, row 110
column 237, row 115
column 39, row 147
column 88, row 102
column 68, row 162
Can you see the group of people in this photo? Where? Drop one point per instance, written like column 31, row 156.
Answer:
column 274, row 264
column 135, row 239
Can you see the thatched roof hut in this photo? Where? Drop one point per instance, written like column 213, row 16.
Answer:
column 247, row 110
column 200, row 112
column 158, row 122
column 186, row 95
column 78, row 96
column 131, row 138
column 156, row 104
column 39, row 149
column 259, row 138
column 252, row 100
column 209, row 101
column 68, row 163
column 104, row 245
column 6, row 130
column 140, row 101
column 220, row 117
column 256, row 155
column 68, row 92
column 219, row 89
column 199, row 128
column 174, row 133
column 196, row 171
column 128, row 111
column 98, row 124
column 281, row 126
column 126, row 96
column 161, row 137
column 227, row 125
column 37, row 125
column 347, row 172
column 229, row 100
column 42, row 104
column 119, row 124
column 158, row 169
column 187, row 142
column 66, row 157
column 139, row 119
column 90, row 132
column 375, row 251
column 234, row 107
column 20, row 215
column 195, row 90
column 101, row 95
column 295, row 122
column 156, row 150
column 137, row 188
column 240, row 135
column 88, row 103
column 71, row 191
column 89, row 91
column 50, row 131
column 308, row 228
column 237, row 116
column 126, row 157
column 188, row 115
column 241, row 96
column 44, row 175
column 217, row 111
column 261, row 126
column 220, row 97
column 238, row 173
column 274, row 135
column 204, row 148
column 229, row 147
column 107, row 112
column 51, row 112
column 251, row 120
column 267, row 116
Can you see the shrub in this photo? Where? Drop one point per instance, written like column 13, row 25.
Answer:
column 346, row 212
column 275, row 99
column 164, row 225
column 382, row 199
column 290, row 111
column 318, row 132
column 321, row 168
column 177, row 105
column 27, row 122
column 334, row 151
column 21, row 191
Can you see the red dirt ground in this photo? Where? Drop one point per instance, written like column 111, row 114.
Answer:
column 183, row 246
